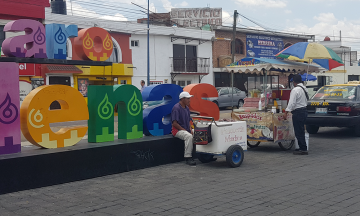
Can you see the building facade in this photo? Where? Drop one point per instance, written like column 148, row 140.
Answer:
column 272, row 43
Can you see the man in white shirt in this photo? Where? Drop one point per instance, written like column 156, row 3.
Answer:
column 297, row 106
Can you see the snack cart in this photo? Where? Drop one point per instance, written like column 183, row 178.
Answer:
column 220, row 138
column 264, row 124
column 267, row 127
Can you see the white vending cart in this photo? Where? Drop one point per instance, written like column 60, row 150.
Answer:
column 228, row 138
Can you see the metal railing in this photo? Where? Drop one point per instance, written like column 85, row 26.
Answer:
column 190, row 65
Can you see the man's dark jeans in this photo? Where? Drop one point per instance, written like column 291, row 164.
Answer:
column 299, row 117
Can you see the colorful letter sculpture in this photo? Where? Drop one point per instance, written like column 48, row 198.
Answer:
column 36, row 116
column 94, row 43
column 102, row 101
column 130, row 109
column 206, row 108
column 153, row 116
column 34, row 39
column 10, row 137
column 56, row 37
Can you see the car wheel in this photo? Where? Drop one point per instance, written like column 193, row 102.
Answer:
column 217, row 104
column 240, row 104
column 312, row 129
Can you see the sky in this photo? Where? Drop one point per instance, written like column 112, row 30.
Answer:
column 316, row 17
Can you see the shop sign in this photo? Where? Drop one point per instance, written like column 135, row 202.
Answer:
column 26, row 69
column 262, row 46
column 36, row 117
column 196, row 17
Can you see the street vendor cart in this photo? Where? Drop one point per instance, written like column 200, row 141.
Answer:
column 267, row 127
column 263, row 122
column 214, row 139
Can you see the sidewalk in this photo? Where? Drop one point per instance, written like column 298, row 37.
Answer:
column 269, row 182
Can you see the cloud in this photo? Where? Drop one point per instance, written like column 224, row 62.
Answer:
column 288, row 11
column 167, row 4
column 326, row 18
column 328, row 25
column 263, row 3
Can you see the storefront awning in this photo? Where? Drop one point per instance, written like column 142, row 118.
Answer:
column 247, row 65
column 59, row 69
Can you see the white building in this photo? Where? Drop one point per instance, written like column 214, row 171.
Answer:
column 177, row 55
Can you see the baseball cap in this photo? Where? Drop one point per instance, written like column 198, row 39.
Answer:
column 297, row 78
column 185, row 95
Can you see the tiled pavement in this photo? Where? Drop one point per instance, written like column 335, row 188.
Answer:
column 269, row 182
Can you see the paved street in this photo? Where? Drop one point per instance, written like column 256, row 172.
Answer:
column 269, row 182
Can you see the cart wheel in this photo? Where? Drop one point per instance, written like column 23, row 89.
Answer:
column 234, row 155
column 206, row 158
column 286, row 145
column 253, row 144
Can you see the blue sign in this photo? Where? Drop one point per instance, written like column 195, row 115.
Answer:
column 262, row 46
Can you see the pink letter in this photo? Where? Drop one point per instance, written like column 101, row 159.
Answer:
column 34, row 39
column 10, row 137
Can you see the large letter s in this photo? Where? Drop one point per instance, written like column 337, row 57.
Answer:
column 206, row 108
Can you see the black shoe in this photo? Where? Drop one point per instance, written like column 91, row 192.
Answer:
column 190, row 161
column 300, row 152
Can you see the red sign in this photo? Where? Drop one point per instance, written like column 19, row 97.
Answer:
column 26, row 69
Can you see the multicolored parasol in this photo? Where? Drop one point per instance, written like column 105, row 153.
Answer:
column 307, row 52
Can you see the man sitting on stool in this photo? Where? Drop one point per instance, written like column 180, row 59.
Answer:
column 297, row 106
column 180, row 119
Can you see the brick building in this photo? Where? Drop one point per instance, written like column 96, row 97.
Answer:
column 222, row 53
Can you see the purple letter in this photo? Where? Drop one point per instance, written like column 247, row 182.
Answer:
column 10, row 137
column 34, row 39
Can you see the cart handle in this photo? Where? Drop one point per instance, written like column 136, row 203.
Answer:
column 212, row 120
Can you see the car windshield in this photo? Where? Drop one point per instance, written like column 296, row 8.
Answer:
column 336, row 92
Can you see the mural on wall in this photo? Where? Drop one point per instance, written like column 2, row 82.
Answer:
column 10, row 137
column 94, row 44
column 205, row 107
column 57, row 35
column 157, row 118
column 101, row 104
column 34, row 39
column 83, row 86
column 36, row 116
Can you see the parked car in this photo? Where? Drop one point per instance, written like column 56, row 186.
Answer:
column 335, row 106
column 224, row 99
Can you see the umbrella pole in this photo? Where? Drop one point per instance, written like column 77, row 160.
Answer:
column 307, row 72
column 265, row 93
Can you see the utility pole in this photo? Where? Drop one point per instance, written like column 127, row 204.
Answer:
column 148, row 46
column 233, row 58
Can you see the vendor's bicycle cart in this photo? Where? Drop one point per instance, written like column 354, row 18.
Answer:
column 220, row 138
column 267, row 127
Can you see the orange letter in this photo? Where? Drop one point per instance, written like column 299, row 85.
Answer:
column 206, row 108
column 94, row 43
column 36, row 116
